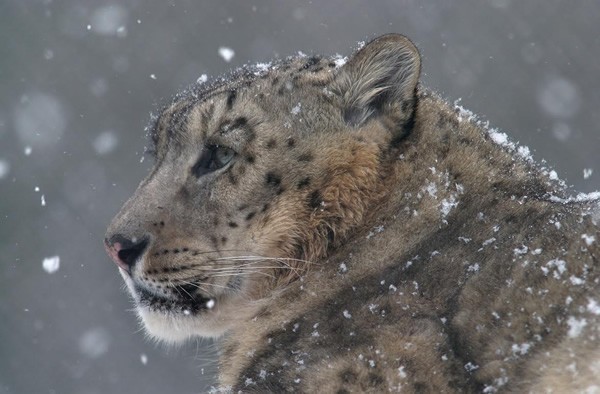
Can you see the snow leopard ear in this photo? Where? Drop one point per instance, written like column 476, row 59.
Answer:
column 380, row 80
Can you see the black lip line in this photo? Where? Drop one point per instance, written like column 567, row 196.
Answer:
column 163, row 304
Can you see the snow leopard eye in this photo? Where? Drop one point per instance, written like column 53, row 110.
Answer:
column 222, row 156
column 212, row 158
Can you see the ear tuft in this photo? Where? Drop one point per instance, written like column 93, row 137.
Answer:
column 380, row 79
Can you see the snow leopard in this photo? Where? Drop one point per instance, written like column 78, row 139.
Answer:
column 340, row 228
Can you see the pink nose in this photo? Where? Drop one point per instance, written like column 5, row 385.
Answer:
column 113, row 252
column 124, row 251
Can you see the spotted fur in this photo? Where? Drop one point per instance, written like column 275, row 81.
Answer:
column 365, row 237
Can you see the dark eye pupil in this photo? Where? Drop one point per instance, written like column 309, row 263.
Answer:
column 211, row 159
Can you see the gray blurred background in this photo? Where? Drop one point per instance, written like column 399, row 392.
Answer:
column 78, row 80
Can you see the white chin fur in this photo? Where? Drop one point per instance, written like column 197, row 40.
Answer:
column 175, row 328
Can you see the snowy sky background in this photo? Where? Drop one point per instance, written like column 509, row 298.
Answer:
column 79, row 78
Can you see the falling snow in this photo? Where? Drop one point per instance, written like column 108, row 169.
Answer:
column 40, row 120
column 109, row 20
column 94, row 342
column 226, row 53
column 105, row 143
column 4, row 168
column 51, row 264
column 559, row 98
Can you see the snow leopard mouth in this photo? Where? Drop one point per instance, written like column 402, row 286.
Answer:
column 187, row 303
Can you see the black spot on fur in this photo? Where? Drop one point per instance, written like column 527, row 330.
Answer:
column 280, row 190
column 331, row 64
column 243, row 207
column 314, row 199
column 375, row 380
column 223, row 240
column 348, row 376
column 306, row 157
column 311, row 61
column 316, row 70
column 271, row 143
column 250, row 215
column 406, row 105
column 272, row 179
column 232, row 179
column 275, row 81
column 241, row 170
column 232, row 224
column 264, row 208
column 250, row 159
column 304, row 182
column 239, row 123
column 291, row 142
column 231, row 98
